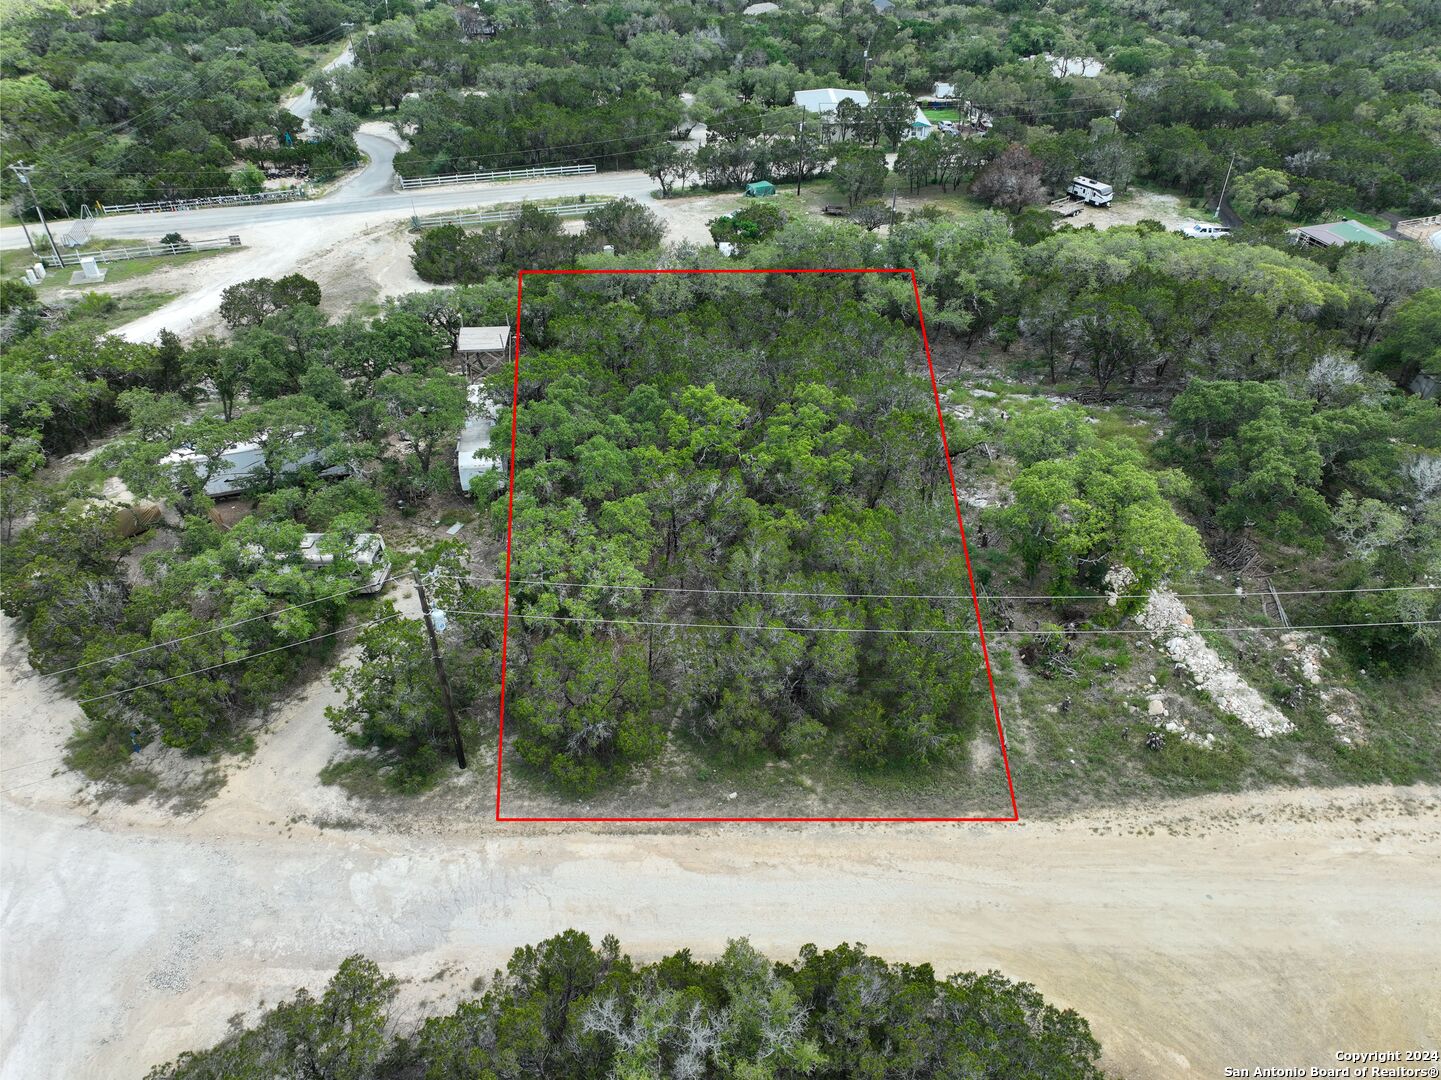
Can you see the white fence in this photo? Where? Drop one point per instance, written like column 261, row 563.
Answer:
column 140, row 251
column 283, row 195
column 416, row 182
column 490, row 217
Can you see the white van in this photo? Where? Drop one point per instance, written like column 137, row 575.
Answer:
column 1205, row 230
column 1091, row 191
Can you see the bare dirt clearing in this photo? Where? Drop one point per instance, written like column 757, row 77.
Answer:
column 1192, row 934
column 1137, row 205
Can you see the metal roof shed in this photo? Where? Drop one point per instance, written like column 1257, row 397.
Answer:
column 482, row 339
column 480, row 346
column 1334, row 233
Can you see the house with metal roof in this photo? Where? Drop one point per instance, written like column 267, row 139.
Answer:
column 1335, row 233
column 242, row 466
column 826, row 100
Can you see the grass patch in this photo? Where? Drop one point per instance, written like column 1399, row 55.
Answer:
column 127, row 270
column 935, row 116
column 101, row 312
column 1375, row 221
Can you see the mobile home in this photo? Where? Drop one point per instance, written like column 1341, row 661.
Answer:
column 472, row 449
column 239, row 466
column 367, row 552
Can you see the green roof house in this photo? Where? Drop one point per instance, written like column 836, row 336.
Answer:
column 1339, row 232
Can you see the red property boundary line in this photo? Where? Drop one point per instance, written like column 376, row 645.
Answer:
column 955, row 500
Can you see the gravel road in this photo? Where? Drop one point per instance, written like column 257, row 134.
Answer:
column 1271, row 928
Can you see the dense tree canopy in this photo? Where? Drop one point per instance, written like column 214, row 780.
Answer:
column 566, row 1008
column 141, row 100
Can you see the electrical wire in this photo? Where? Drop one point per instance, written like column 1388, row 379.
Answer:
column 944, row 632
column 238, row 660
column 437, row 575
column 937, row 596
column 217, row 629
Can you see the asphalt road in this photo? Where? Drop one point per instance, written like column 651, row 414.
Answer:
column 369, row 193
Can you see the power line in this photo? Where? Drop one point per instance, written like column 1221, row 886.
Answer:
column 730, row 592
column 216, row 629
column 930, row 596
column 945, row 632
column 238, row 660
column 27, row 764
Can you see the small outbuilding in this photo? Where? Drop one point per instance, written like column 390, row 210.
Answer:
column 479, row 347
column 761, row 9
column 760, row 188
column 1335, row 233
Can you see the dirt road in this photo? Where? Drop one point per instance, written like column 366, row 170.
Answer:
column 1275, row 928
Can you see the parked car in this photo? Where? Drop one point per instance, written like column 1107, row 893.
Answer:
column 1205, row 230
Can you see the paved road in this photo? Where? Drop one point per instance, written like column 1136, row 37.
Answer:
column 303, row 104
column 366, row 194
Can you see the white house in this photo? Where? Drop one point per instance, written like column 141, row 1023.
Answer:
column 825, row 101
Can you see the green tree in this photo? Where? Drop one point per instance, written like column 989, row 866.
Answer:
column 586, row 707
column 1100, row 508
column 392, row 698
column 625, row 225
column 668, row 165
column 1264, row 193
column 1411, row 343
column 427, row 411
column 859, row 172
column 247, row 179
column 1255, row 451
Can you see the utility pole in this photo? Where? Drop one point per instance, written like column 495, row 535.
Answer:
column 23, row 171
column 26, row 229
column 1224, row 183
column 440, row 673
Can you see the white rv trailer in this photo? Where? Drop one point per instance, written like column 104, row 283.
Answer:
column 472, row 448
column 1091, row 191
